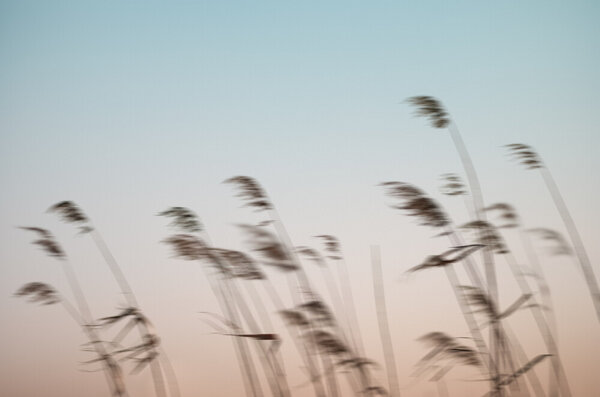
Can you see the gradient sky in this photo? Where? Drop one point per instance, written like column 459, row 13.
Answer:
column 130, row 107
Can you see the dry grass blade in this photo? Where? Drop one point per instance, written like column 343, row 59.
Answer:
column 376, row 391
column 483, row 304
column 518, row 304
column 511, row 378
column 442, row 260
column 357, row 362
column 133, row 312
column 39, row 293
column 149, row 343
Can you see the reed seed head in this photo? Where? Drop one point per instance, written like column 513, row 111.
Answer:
column 47, row 242
column 251, row 192
column 525, row 155
column 453, row 185
column 39, row 293
column 183, row 219
column 416, row 203
column 432, row 109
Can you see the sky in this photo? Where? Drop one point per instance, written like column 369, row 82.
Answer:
column 130, row 107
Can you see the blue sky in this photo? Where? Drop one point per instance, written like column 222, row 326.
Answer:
column 128, row 107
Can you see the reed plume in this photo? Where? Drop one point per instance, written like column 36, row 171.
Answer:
column 453, row 185
column 445, row 353
column 251, row 192
column 39, row 293
column 559, row 243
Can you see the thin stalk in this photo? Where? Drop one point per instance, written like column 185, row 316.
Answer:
column 472, row 325
column 87, row 325
column 493, row 363
column 542, row 326
column 476, row 194
column 442, row 388
column 273, row 372
column 506, row 341
column 266, row 320
column 347, row 308
column 546, row 301
column 384, row 327
column 350, row 309
column 531, row 377
column 338, row 305
column 542, row 282
column 579, row 248
column 295, row 336
column 348, row 297
column 250, row 377
column 111, row 369
column 303, row 283
column 127, row 291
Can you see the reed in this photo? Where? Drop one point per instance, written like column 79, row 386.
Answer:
column 529, row 158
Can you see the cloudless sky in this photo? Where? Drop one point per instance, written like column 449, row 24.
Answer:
column 128, row 107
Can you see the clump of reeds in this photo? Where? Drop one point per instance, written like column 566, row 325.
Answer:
column 44, row 293
column 69, row 212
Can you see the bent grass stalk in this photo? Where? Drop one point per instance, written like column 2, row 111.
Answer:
column 83, row 314
column 434, row 110
column 528, row 157
column 71, row 213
